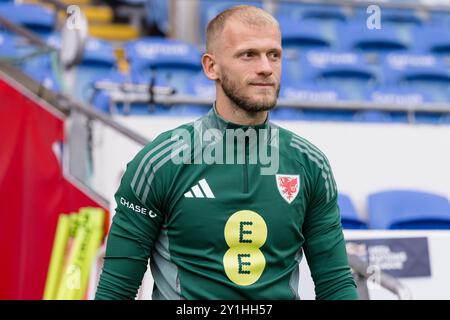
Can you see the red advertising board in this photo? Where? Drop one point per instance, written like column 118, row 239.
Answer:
column 33, row 190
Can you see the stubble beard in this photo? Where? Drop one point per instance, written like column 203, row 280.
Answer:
column 244, row 102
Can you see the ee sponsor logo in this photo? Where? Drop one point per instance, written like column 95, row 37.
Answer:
column 245, row 233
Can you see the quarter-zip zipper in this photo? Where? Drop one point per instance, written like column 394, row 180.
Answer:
column 246, row 146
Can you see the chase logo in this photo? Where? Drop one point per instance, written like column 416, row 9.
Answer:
column 136, row 208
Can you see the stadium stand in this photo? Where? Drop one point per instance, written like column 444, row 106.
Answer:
column 330, row 55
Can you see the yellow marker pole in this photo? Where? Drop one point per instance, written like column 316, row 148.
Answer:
column 71, row 278
column 87, row 240
column 57, row 258
column 95, row 226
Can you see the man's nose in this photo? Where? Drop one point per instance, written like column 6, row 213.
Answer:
column 264, row 66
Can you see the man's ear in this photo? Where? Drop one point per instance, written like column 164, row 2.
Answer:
column 210, row 66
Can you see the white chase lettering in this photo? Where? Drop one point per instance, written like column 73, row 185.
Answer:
column 132, row 206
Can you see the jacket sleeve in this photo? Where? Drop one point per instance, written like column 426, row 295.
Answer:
column 134, row 228
column 324, row 245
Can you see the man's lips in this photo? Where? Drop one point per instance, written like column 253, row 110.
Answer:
column 262, row 84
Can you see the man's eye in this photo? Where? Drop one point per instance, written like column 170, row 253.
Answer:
column 248, row 54
column 274, row 55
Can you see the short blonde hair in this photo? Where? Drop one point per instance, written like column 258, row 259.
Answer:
column 249, row 15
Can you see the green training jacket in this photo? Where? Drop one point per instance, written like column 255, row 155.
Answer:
column 225, row 211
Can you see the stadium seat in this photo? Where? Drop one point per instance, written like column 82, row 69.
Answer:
column 349, row 216
column 356, row 36
column 7, row 46
column 432, row 40
column 440, row 18
column 303, row 35
column 393, row 96
column 309, row 92
column 158, row 14
column 172, row 61
column 304, row 91
column 32, row 16
column 98, row 58
column 402, row 20
column 423, row 73
column 210, row 8
column 397, row 96
column 407, row 209
column 347, row 71
column 320, row 12
column 392, row 16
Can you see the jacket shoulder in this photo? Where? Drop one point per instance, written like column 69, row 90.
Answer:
column 303, row 151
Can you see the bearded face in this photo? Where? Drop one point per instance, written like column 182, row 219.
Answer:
column 251, row 95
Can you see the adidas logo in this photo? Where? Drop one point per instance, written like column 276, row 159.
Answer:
column 200, row 190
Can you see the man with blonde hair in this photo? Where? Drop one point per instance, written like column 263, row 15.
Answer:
column 217, row 229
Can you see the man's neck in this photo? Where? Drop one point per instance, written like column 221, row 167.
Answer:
column 239, row 116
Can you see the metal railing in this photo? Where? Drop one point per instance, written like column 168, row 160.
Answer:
column 128, row 93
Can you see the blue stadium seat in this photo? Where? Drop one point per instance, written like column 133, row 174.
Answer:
column 303, row 35
column 172, row 61
column 35, row 17
column 405, row 209
column 356, row 36
column 393, row 96
column 98, row 58
column 432, row 39
column 307, row 17
column 347, row 71
column 158, row 14
column 306, row 91
column 320, row 12
column 397, row 96
column 309, row 92
column 210, row 8
column 440, row 18
column 392, row 16
column 403, row 20
column 7, row 46
column 423, row 73
column 349, row 216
